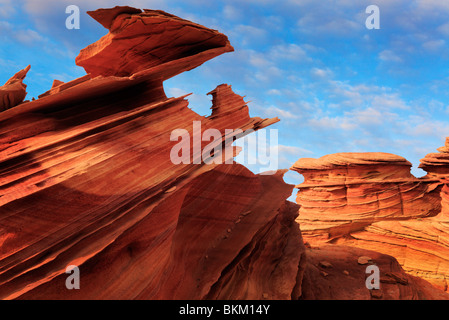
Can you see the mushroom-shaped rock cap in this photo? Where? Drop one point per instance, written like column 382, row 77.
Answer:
column 139, row 40
column 349, row 159
column 436, row 160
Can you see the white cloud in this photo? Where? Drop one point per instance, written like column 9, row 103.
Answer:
column 293, row 150
column 388, row 101
column 231, row 13
column 6, row 8
column 420, row 126
column 176, row 92
column 274, row 92
column 390, row 56
column 431, row 6
column 259, row 60
column 331, row 123
column 322, row 73
column 23, row 36
column 273, row 111
column 268, row 75
column 27, row 36
column 247, row 34
column 444, row 29
column 434, row 45
column 291, row 51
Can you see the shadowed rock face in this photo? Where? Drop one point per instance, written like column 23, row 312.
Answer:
column 212, row 238
column 372, row 201
column 335, row 272
column 87, row 180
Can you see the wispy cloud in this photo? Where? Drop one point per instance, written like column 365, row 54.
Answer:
column 389, row 56
column 7, row 8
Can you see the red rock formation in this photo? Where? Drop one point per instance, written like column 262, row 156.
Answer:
column 87, row 180
column 346, row 192
column 172, row 46
column 437, row 164
column 210, row 239
column 14, row 90
column 336, row 272
column 395, row 213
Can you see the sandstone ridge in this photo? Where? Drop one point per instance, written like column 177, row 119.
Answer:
column 372, row 201
column 86, row 180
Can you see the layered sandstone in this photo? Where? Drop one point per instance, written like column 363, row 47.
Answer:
column 372, row 201
column 437, row 164
column 88, row 180
column 216, row 237
column 143, row 40
column 335, row 272
column 346, row 192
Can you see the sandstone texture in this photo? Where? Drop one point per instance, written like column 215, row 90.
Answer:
column 371, row 201
column 342, row 277
column 87, row 180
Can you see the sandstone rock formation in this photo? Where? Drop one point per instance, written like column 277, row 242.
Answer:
column 334, row 272
column 14, row 90
column 87, row 180
column 372, row 201
column 210, row 239
column 346, row 192
column 172, row 46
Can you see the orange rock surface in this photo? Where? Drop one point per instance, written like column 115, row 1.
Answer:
column 87, row 180
column 143, row 40
column 335, row 272
column 371, row 201
column 346, row 192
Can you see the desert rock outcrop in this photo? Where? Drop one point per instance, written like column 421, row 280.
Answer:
column 87, row 180
column 346, row 192
column 371, row 201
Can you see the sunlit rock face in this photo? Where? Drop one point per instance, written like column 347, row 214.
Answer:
column 87, row 181
column 345, row 192
column 89, row 188
column 371, row 201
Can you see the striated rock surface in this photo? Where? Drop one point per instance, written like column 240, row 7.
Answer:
column 87, row 180
column 14, row 90
column 346, row 192
column 213, row 238
column 380, row 207
column 336, row 272
column 437, row 164
column 173, row 45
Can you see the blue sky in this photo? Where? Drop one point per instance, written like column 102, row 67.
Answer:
column 335, row 85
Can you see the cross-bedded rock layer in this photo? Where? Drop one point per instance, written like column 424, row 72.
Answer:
column 371, row 201
column 345, row 192
column 86, row 180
